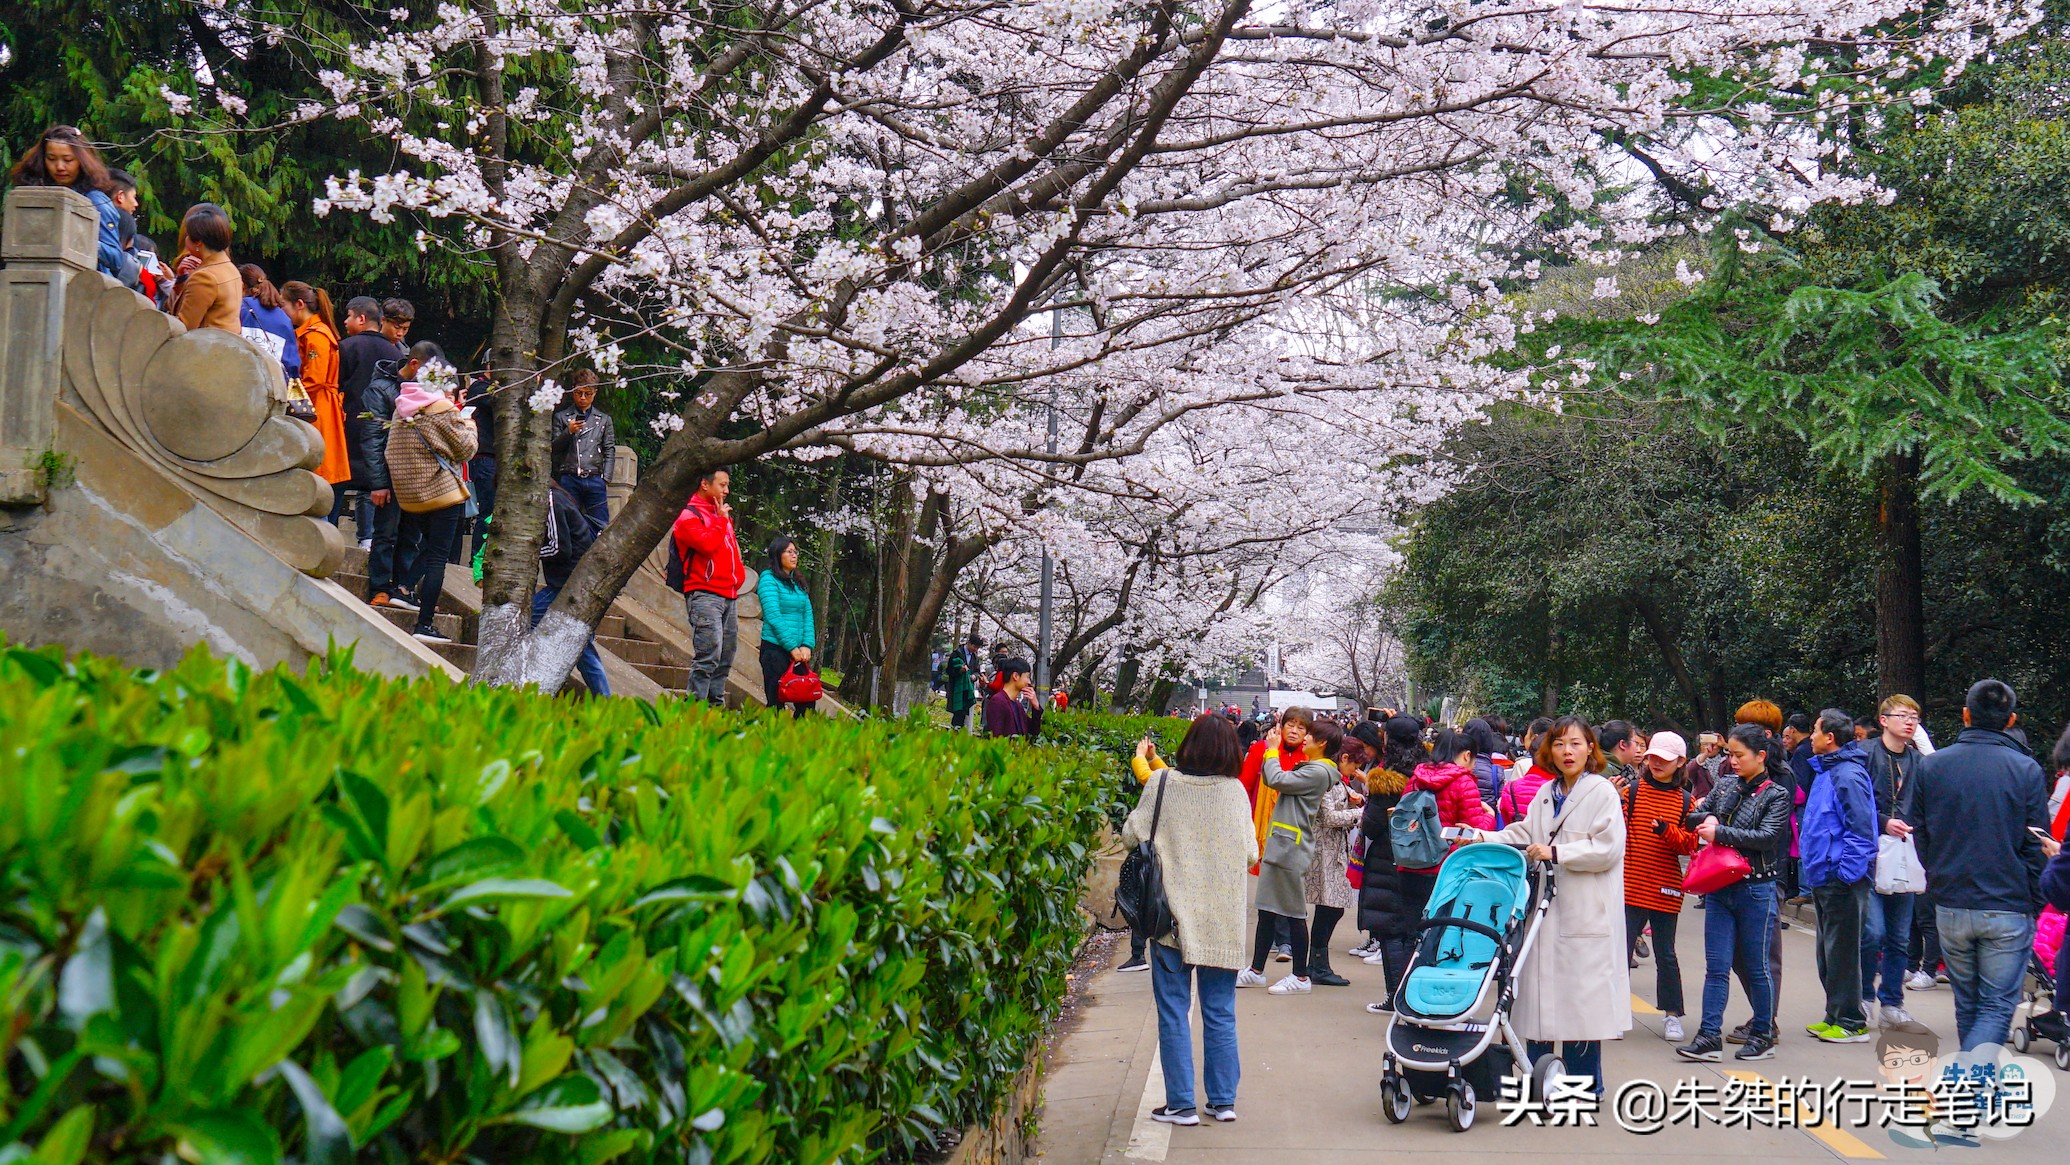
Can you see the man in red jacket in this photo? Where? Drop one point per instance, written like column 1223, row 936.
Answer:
column 708, row 556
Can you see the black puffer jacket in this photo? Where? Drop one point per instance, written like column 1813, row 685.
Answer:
column 1756, row 823
column 369, row 452
column 1382, row 910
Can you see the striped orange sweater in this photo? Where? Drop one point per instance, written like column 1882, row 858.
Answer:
column 1652, row 862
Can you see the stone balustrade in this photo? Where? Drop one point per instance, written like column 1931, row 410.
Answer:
column 205, row 406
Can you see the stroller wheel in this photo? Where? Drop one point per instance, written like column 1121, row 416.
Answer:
column 1543, row 1073
column 2020, row 1038
column 1459, row 1106
column 2063, row 1057
column 1395, row 1101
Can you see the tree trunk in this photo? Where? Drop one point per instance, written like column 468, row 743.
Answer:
column 1160, row 696
column 1670, row 651
column 1900, row 604
column 1549, row 705
column 919, row 623
column 896, row 564
column 828, row 541
column 509, row 650
column 1125, row 678
column 1083, row 694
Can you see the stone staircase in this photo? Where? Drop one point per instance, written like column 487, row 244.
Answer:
column 658, row 664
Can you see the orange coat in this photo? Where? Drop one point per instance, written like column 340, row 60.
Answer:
column 319, row 345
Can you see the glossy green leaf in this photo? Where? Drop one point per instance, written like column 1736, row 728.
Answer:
column 86, row 987
column 690, row 888
column 326, row 1140
column 473, row 859
column 498, row 889
column 227, row 1137
column 66, row 1142
column 571, row 1104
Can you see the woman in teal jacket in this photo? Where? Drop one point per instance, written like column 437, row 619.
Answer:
column 786, row 620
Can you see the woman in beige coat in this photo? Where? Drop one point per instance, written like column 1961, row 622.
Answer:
column 1575, row 986
column 1204, row 846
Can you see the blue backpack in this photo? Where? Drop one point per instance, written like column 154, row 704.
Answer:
column 1414, row 831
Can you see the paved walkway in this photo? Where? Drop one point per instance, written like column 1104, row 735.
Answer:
column 1311, row 1068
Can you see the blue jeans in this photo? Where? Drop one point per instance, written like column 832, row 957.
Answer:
column 1986, row 952
column 1581, row 1057
column 1738, row 924
column 1171, row 980
column 1886, row 937
column 590, row 494
column 591, row 666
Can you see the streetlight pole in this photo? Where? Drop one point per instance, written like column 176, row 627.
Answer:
column 1046, row 620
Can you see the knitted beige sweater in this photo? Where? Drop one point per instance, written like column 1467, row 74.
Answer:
column 1205, row 847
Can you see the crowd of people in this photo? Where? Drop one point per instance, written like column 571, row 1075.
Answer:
column 409, row 442
column 1922, row 867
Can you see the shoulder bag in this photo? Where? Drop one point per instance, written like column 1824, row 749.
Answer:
column 1139, row 891
column 1717, row 866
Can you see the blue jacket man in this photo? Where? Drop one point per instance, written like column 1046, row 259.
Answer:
column 1838, row 842
column 1837, row 846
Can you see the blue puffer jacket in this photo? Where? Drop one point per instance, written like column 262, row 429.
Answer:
column 112, row 259
column 786, row 612
column 1838, row 839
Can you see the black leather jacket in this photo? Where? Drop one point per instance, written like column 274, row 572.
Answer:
column 1757, row 824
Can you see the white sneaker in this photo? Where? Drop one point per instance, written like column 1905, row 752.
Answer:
column 1249, row 978
column 1363, row 949
column 1672, row 1029
column 1376, row 959
column 366, row 544
column 1894, row 1016
column 1291, row 985
column 1919, row 981
column 1869, row 1013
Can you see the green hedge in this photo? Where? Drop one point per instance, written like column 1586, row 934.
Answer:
column 250, row 918
column 1114, row 737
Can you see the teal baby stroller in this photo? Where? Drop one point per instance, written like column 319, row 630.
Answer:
column 1450, row 1035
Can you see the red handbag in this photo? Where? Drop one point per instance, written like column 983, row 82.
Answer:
column 1713, row 868
column 798, row 686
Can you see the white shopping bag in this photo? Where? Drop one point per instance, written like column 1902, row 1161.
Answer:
column 1897, row 866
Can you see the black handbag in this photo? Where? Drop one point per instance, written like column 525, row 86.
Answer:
column 1139, row 890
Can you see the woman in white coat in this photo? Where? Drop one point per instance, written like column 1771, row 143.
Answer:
column 1575, row 987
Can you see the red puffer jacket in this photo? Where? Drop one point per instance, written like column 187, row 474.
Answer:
column 1458, row 794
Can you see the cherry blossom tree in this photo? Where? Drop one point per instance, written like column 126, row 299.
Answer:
column 835, row 219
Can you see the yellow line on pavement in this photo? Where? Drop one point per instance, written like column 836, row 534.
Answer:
column 1641, row 1007
column 1837, row 1139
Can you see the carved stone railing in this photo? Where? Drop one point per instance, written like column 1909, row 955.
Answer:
column 206, row 406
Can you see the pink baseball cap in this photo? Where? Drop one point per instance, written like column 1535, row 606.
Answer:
column 1668, row 746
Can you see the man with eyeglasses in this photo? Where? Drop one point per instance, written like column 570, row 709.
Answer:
column 1887, row 923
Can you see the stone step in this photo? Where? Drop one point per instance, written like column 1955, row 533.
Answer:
column 356, row 585
column 673, row 678
column 633, row 651
column 454, row 626
column 460, row 655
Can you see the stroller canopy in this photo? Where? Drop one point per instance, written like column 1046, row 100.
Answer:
column 1485, row 887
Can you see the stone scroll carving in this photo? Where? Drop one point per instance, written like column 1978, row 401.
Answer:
column 203, row 405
